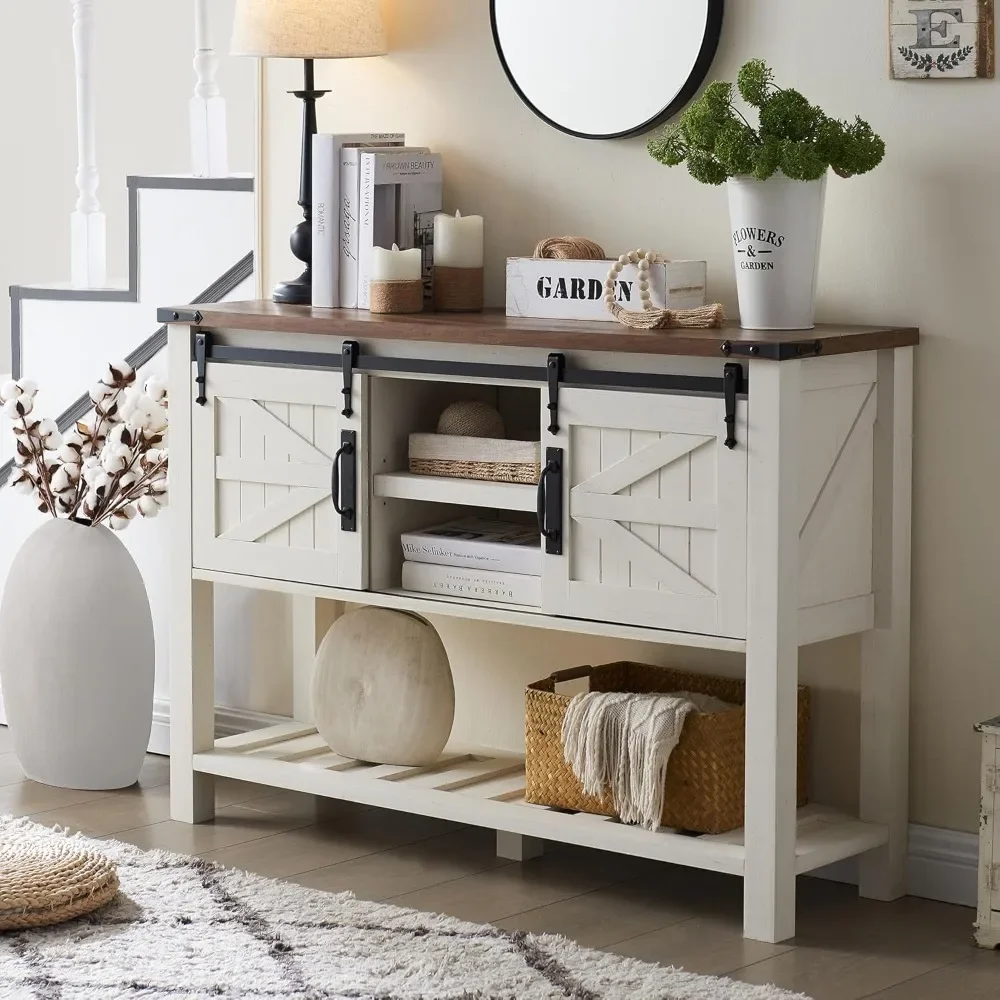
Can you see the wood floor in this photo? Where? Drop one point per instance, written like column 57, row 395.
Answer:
column 846, row 947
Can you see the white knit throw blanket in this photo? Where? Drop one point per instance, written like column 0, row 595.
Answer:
column 623, row 742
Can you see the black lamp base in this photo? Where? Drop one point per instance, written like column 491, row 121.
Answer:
column 297, row 292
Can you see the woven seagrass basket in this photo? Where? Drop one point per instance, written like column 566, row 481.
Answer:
column 494, row 460
column 706, row 774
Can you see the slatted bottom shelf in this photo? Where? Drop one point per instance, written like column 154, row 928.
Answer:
column 486, row 788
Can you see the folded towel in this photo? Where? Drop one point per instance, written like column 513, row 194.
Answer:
column 622, row 743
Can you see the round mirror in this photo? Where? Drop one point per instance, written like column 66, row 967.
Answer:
column 598, row 73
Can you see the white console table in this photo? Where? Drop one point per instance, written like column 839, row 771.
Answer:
column 736, row 490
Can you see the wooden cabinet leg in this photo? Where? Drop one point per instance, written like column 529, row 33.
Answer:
column 192, row 706
column 885, row 650
column 772, row 653
column 515, row 847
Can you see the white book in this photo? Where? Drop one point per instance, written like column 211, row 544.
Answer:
column 475, row 584
column 401, row 192
column 344, row 276
column 476, row 543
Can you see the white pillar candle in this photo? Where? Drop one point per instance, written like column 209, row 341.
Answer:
column 458, row 240
column 396, row 264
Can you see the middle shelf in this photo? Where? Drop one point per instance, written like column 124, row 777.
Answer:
column 467, row 492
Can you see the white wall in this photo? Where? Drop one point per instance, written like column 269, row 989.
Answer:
column 144, row 78
column 917, row 242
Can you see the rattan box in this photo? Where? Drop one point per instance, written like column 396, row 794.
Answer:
column 494, row 460
column 706, row 774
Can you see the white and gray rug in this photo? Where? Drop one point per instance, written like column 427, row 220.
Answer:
column 185, row 929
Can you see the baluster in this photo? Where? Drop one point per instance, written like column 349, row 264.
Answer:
column 87, row 224
column 209, row 145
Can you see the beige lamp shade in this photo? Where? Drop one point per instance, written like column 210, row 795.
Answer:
column 308, row 29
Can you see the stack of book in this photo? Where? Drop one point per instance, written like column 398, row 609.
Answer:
column 369, row 190
column 475, row 558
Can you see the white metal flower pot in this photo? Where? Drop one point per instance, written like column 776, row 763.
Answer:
column 777, row 225
column 76, row 658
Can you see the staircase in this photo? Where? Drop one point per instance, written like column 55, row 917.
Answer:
column 191, row 240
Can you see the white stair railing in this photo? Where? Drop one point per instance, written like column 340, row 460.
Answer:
column 209, row 144
column 88, row 230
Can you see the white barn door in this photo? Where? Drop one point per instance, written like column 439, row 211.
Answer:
column 263, row 449
column 654, row 512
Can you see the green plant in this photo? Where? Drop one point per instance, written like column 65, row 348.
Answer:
column 717, row 142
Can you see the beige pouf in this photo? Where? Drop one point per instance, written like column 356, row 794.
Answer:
column 48, row 879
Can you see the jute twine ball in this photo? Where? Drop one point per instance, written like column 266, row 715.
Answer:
column 471, row 418
column 46, row 879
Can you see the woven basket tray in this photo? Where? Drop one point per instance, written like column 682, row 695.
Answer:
column 490, row 459
column 706, row 774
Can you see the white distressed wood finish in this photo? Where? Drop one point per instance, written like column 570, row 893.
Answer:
column 772, row 651
column 263, row 451
column 654, row 513
column 88, row 226
column 931, row 40
column 515, row 847
column 477, row 610
column 469, row 492
column 192, row 626
column 885, row 650
column 485, row 788
column 209, row 139
column 987, row 932
column 650, row 471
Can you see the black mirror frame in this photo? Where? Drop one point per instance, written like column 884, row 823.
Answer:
column 710, row 44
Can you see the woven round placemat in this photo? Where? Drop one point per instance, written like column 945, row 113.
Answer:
column 51, row 879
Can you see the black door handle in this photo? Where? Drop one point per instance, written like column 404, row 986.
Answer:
column 346, row 483
column 548, row 507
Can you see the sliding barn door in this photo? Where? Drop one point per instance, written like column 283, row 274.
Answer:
column 264, row 445
column 654, row 513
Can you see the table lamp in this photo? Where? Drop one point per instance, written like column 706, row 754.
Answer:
column 307, row 29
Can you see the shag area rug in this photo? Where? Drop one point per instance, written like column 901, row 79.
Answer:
column 185, row 928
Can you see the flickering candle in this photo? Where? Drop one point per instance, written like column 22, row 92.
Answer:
column 396, row 264
column 458, row 240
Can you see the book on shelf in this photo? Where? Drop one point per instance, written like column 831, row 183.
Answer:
column 477, row 543
column 400, row 193
column 474, row 584
column 327, row 206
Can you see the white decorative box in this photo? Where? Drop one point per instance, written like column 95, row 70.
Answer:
column 574, row 289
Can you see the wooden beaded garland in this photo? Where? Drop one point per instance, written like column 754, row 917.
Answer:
column 652, row 318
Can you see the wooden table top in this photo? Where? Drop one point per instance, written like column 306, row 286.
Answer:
column 494, row 329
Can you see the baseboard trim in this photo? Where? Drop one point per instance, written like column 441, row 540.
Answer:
column 228, row 722
column 941, row 864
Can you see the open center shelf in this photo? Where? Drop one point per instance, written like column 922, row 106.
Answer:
column 465, row 492
column 486, row 788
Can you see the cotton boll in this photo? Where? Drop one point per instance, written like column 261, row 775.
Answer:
column 100, row 392
column 22, row 484
column 46, row 427
column 111, row 462
column 8, row 391
column 53, row 442
column 59, row 481
column 127, row 480
column 148, row 507
column 29, row 387
column 17, row 408
column 155, row 389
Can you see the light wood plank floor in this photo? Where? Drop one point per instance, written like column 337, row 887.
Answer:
column 846, row 947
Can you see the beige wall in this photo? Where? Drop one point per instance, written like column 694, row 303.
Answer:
column 915, row 243
column 144, row 77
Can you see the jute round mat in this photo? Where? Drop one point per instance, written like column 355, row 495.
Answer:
column 48, row 880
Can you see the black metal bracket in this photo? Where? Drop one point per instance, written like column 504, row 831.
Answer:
column 344, row 481
column 550, row 501
column 773, row 352
column 191, row 316
column 555, row 369
column 732, row 381
column 349, row 359
column 202, row 345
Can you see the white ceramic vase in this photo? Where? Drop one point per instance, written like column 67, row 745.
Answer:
column 383, row 690
column 76, row 658
column 777, row 225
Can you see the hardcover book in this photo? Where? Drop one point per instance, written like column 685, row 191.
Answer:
column 327, row 207
column 475, row 584
column 476, row 543
column 400, row 195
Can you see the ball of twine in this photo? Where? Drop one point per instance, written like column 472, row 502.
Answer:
column 569, row 248
column 471, row 418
